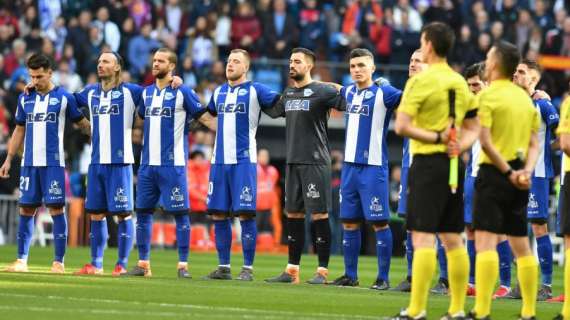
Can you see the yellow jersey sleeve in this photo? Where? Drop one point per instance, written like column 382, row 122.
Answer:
column 485, row 110
column 415, row 93
column 536, row 122
column 564, row 126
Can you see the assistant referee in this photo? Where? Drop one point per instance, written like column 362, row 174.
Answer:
column 424, row 117
column 509, row 141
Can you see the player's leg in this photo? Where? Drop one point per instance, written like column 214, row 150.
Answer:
column 442, row 286
column 295, row 208
column 487, row 271
column 316, row 182
column 146, row 201
column 538, row 215
column 469, row 231
column 173, row 186
column 219, row 202
column 527, row 274
column 565, row 313
column 53, row 185
column 30, row 200
column 505, row 260
column 406, row 284
column 243, row 189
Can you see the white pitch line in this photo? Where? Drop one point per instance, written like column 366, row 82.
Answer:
column 266, row 313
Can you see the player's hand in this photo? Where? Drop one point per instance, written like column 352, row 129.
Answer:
column 29, row 88
column 520, row 179
column 539, row 94
column 5, row 170
column 453, row 149
column 176, row 82
column 380, row 81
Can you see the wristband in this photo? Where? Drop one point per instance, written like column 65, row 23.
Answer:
column 508, row 172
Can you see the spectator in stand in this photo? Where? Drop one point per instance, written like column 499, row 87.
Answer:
column 16, row 58
column 508, row 15
column 414, row 18
column 66, row 78
column 139, row 51
column 381, row 37
column 28, row 20
column 127, row 34
column 523, row 28
column 312, row 26
column 49, row 11
column 78, row 37
column 140, row 11
column 8, row 19
column 188, row 73
column 198, row 175
column 57, row 34
column 267, row 178
column 246, row 29
column 360, row 17
column 541, row 15
column 404, row 42
column 223, row 30
column 108, row 30
column 201, row 47
column 69, row 56
column 280, row 33
column 173, row 15
column 483, row 45
column 497, row 31
column 443, row 11
column 535, row 42
column 464, row 52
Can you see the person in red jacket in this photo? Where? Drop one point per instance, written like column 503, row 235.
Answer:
column 246, row 29
column 267, row 177
column 198, row 174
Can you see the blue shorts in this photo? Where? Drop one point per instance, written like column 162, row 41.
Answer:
column 42, row 185
column 364, row 193
column 164, row 186
column 109, row 188
column 468, row 192
column 402, row 195
column 537, row 207
column 232, row 188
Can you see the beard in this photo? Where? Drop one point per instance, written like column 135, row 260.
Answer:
column 161, row 74
column 297, row 76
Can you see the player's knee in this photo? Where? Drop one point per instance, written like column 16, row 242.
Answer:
column 219, row 216
column 296, row 215
column 124, row 217
column 380, row 225
column 97, row 217
column 351, row 226
column 539, row 228
column 320, row 216
column 28, row 212
column 246, row 216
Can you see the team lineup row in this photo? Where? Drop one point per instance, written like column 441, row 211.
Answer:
column 503, row 160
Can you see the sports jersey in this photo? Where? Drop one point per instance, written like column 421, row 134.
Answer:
column 238, row 110
column 111, row 116
column 549, row 119
column 306, row 111
column 367, row 116
column 473, row 164
column 564, row 127
column 44, row 119
column 166, row 115
column 426, row 99
column 499, row 105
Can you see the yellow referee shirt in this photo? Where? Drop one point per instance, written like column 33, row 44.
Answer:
column 426, row 100
column 508, row 111
column 564, row 127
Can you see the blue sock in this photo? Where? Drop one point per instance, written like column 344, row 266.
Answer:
column 183, row 236
column 409, row 252
column 125, row 242
column 223, row 231
column 248, row 240
column 25, row 233
column 144, row 234
column 544, row 250
column 99, row 235
column 59, row 236
column 384, row 252
column 442, row 260
column 472, row 253
column 351, row 249
column 505, row 258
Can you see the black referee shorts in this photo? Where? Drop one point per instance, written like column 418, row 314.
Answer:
column 432, row 207
column 308, row 188
column 565, row 206
column 498, row 206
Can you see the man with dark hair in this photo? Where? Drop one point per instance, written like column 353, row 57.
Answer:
column 432, row 102
column 165, row 113
column 510, row 150
column 306, row 106
column 40, row 124
column 527, row 76
column 364, row 177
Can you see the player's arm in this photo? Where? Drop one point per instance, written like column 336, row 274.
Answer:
column 277, row 110
column 209, row 121
column 84, row 126
column 532, row 154
column 495, row 156
column 13, row 146
column 405, row 127
column 470, row 129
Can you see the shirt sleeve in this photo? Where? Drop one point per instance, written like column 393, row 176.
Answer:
column 333, row 98
column 140, row 106
column 212, row 105
column 536, row 121
column 485, row 111
column 564, row 126
column 414, row 95
column 191, row 102
column 392, row 96
column 136, row 92
column 548, row 113
column 20, row 113
column 266, row 97
column 81, row 97
column 72, row 110
column 277, row 110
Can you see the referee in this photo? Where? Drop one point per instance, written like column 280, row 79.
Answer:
column 424, row 117
column 564, row 132
column 510, row 151
column 306, row 107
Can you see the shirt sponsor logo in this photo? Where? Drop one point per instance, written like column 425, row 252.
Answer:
column 101, row 110
column 116, row 94
column 246, row 194
column 176, row 195
column 41, row 117
column 308, row 92
column 231, row 108
column 54, row 188
column 360, row 109
column 297, row 105
column 368, row 94
column 53, row 101
column 242, row 92
column 120, row 195
column 312, row 191
column 375, row 204
column 158, row 112
column 168, row 96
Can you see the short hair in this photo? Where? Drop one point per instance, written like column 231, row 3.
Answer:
column 117, row 56
column 532, row 65
column 475, row 70
column 509, row 56
column 242, row 51
column 361, row 52
column 308, row 53
column 38, row 61
column 441, row 37
column 172, row 58
column 197, row 153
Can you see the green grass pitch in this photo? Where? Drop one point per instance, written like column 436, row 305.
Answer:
column 40, row 295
